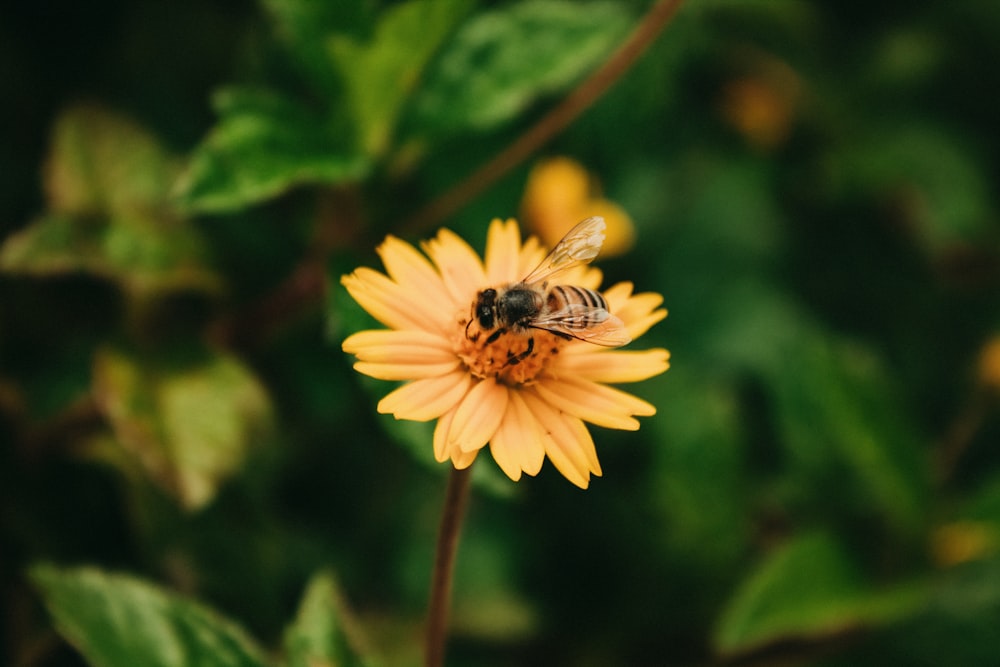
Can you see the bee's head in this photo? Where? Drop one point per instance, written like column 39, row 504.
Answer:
column 485, row 310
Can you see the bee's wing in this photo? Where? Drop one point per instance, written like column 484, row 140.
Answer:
column 592, row 324
column 580, row 245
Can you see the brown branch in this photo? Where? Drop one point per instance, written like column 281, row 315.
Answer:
column 549, row 125
column 456, row 497
column 961, row 433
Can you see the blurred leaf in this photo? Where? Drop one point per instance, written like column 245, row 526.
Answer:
column 189, row 420
column 808, row 588
column 930, row 174
column 834, row 405
column 319, row 635
column 907, row 56
column 107, row 182
column 381, row 75
column 958, row 627
column 142, row 254
column 103, row 163
column 973, row 533
column 502, row 60
column 305, row 26
column 698, row 471
column 263, row 145
column 59, row 381
column 119, row 621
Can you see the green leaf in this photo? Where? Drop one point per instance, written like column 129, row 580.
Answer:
column 319, row 636
column 501, row 61
column 142, row 254
column 263, row 145
column 116, row 620
column 808, row 588
column 934, row 177
column 842, row 425
column 189, row 418
column 101, row 162
column 380, row 75
column 701, row 469
column 110, row 215
column 304, row 27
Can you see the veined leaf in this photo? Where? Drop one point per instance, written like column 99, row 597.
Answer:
column 116, row 620
column 304, row 27
column 319, row 635
column 501, row 61
column 808, row 588
column 110, row 214
column 103, row 163
column 264, row 145
column 141, row 253
column 380, row 75
column 189, row 421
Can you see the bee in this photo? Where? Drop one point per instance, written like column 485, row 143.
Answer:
column 567, row 311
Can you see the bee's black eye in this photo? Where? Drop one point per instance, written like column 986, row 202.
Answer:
column 485, row 308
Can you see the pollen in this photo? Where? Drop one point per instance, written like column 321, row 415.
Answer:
column 512, row 358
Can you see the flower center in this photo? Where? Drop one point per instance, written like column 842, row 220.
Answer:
column 511, row 357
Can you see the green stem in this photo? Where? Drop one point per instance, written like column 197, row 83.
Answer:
column 456, row 497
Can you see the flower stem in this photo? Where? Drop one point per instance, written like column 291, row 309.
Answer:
column 456, row 497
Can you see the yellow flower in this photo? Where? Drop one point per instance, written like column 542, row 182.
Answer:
column 560, row 192
column 526, row 409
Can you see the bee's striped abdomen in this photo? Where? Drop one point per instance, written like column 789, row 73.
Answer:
column 565, row 297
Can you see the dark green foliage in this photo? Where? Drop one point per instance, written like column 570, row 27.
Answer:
column 813, row 186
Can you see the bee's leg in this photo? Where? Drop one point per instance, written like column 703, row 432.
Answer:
column 515, row 359
column 467, row 336
column 495, row 335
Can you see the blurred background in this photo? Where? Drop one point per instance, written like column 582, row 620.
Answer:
column 184, row 446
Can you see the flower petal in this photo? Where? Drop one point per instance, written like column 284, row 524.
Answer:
column 567, row 442
column 518, row 444
column 638, row 327
column 402, row 346
column 593, row 402
column 443, row 450
column 423, row 400
column 617, row 295
column 460, row 268
column 397, row 371
column 603, row 365
column 387, row 301
column 479, row 415
column 502, row 256
column 462, row 460
column 407, row 267
column 640, row 312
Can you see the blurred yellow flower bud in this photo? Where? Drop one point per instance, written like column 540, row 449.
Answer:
column 963, row 541
column 758, row 110
column 560, row 193
column 989, row 364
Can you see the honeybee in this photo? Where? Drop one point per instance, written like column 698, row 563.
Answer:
column 567, row 311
